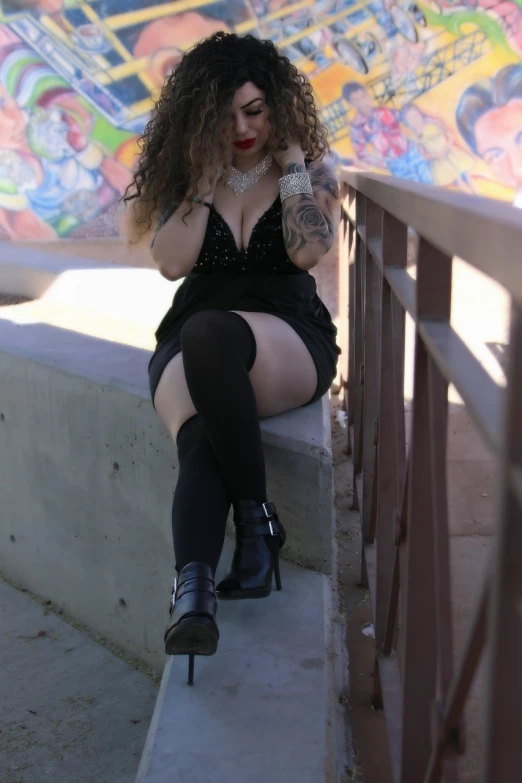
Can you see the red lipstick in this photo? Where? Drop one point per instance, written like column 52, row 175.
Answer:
column 245, row 145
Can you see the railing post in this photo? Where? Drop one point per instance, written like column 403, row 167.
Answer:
column 343, row 287
column 352, row 246
column 358, row 343
column 420, row 583
column 371, row 371
column 391, row 445
column 503, row 746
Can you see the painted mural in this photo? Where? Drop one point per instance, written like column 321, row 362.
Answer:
column 428, row 91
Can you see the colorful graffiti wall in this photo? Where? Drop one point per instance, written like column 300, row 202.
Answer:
column 429, row 91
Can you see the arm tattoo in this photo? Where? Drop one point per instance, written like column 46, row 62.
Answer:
column 303, row 221
column 295, row 168
column 323, row 177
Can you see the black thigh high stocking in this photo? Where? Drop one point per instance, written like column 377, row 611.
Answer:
column 201, row 502
column 220, row 450
column 218, row 351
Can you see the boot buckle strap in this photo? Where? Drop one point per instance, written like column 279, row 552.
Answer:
column 174, row 591
column 269, row 510
column 248, row 529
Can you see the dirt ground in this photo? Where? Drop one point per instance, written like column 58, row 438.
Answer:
column 367, row 725
column 9, row 299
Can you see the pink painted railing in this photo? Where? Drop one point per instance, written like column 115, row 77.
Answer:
column 401, row 490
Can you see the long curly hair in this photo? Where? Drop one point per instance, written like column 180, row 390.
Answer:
column 191, row 124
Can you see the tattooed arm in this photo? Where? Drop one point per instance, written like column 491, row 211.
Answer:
column 310, row 222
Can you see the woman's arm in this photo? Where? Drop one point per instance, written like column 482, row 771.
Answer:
column 310, row 222
column 178, row 239
column 177, row 242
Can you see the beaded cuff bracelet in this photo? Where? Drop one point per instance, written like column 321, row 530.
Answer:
column 294, row 185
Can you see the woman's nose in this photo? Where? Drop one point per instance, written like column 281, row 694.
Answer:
column 241, row 125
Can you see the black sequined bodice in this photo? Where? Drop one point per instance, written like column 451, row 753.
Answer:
column 266, row 251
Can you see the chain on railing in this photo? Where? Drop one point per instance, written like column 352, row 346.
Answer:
column 401, row 492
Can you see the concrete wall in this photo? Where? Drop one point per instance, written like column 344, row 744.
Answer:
column 87, row 474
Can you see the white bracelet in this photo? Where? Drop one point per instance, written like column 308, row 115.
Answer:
column 294, row 185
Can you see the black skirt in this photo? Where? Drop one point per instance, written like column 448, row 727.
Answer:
column 291, row 297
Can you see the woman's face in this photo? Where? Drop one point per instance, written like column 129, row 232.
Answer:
column 498, row 135
column 251, row 125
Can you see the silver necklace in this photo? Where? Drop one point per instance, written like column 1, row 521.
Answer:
column 240, row 181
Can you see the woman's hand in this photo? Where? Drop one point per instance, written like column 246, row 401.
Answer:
column 206, row 186
column 289, row 158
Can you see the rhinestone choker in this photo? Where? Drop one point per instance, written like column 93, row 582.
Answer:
column 240, row 181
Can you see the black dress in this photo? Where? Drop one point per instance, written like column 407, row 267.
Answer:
column 259, row 279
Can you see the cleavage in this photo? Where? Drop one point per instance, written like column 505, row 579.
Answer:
column 245, row 246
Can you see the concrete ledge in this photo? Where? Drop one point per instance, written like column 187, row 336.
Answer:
column 129, row 294
column 31, row 273
column 87, row 472
column 259, row 709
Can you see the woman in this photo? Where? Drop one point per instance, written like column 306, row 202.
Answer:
column 242, row 214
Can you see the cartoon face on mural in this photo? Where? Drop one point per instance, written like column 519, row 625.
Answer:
column 489, row 117
column 430, row 92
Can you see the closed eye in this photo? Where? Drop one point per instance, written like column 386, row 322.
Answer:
column 253, row 113
column 492, row 155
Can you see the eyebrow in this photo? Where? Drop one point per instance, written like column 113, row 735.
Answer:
column 251, row 102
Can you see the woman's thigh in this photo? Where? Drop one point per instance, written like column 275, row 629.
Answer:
column 283, row 376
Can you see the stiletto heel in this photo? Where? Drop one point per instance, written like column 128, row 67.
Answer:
column 276, row 571
column 192, row 628
column 259, row 538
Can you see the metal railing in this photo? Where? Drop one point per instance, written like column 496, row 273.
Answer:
column 400, row 489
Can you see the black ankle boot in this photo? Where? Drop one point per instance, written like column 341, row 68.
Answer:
column 259, row 537
column 192, row 628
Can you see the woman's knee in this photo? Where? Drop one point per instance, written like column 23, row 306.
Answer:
column 210, row 335
column 201, row 328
